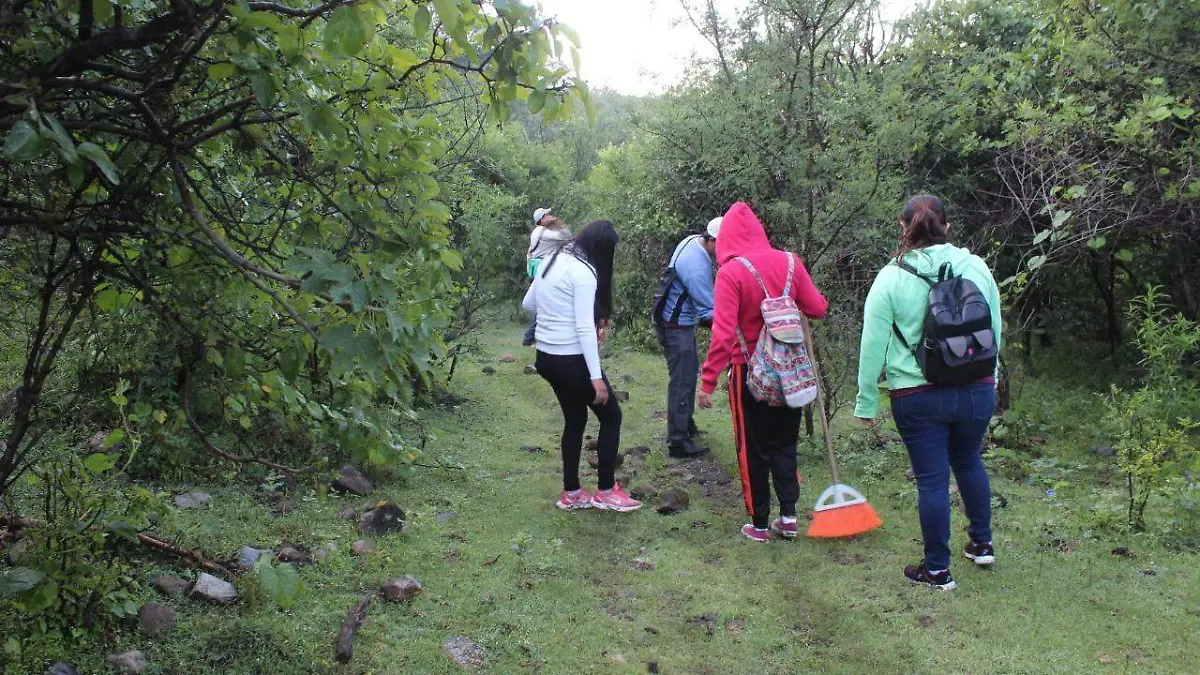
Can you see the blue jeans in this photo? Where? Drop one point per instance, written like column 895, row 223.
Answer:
column 943, row 430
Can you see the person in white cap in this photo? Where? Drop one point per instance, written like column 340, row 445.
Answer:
column 549, row 234
column 688, row 303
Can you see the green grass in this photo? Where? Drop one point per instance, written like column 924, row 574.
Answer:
column 552, row 592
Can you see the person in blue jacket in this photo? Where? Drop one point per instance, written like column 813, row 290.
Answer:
column 689, row 303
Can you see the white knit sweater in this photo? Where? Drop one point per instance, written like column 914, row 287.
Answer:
column 564, row 296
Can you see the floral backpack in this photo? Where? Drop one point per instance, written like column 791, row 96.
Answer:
column 780, row 371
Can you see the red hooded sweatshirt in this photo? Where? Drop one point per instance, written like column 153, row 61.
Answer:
column 737, row 295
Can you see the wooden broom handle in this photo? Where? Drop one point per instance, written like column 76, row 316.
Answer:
column 812, row 356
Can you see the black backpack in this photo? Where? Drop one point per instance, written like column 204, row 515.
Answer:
column 662, row 289
column 958, row 344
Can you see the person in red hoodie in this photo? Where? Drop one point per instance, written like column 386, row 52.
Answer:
column 765, row 435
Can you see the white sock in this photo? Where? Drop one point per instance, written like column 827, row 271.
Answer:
column 789, row 520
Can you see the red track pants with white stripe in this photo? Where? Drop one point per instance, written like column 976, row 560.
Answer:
column 765, row 437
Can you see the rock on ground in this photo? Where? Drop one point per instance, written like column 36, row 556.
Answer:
column 325, row 551
column 672, row 501
column 465, row 652
column 192, row 500
column 385, row 518
column 248, row 555
column 347, row 512
column 402, row 590
column 530, row 370
column 362, row 547
column 488, row 370
column 291, row 554
column 61, row 669
column 170, row 585
column 350, row 479
column 130, row 662
column 508, row 358
column 154, row 618
column 643, row 492
column 444, row 517
column 212, row 589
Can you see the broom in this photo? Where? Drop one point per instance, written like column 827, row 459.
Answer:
column 841, row 511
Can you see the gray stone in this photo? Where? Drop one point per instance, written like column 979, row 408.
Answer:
column 170, row 585
column 130, row 662
column 212, row 589
column 347, row 512
column 672, row 501
column 96, row 442
column 192, row 500
column 290, row 554
column 622, row 396
column 386, row 518
column 530, row 370
column 444, row 517
column 643, row 492
column 154, row 618
column 325, row 551
column 465, row 652
column 351, row 480
column 488, row 370
column 508, row 358
column 533, row 449
column 61, row 669
column 402, row 590
column 362, row 547
column 248, row 555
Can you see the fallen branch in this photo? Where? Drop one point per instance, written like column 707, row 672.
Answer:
column 354, row 619
column 196, row 558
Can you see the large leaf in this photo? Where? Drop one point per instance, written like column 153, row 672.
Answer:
column 18, row 580
column 448, row 13
column 96, row 155
column 23, row 142
column 346, row 31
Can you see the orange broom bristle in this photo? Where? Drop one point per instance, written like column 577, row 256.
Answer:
column 844, row 521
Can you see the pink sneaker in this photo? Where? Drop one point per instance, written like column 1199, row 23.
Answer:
column 572, row 501
column 752, row 533
column 785, row 529
column 615, row 500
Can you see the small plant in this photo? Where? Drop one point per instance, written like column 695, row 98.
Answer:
column 279, row 583
column 1155, row 445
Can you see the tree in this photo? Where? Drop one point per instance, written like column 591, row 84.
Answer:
column 259, row 183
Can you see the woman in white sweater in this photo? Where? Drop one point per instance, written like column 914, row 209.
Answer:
column 572, row 297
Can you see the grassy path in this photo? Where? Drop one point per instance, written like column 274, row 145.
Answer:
column 552, row 592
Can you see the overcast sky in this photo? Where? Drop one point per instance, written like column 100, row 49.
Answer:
column 640, row 46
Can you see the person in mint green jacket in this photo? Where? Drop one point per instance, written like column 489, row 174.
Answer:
column 942, row 426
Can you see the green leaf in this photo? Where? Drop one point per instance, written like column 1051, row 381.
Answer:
column 222, row 71
column 102, row 12
column 280, row 583
column 99, row 157
column 570, row 33
column 106, row 300
column 18, row 580
column 100, row 462
column 1124, row 255
column 1042, row 236
column 263, row 86
column 66, row 144
column 1097, row 243
column 346, row 32
column 1036, row 262
column 537, row 101
column 23, row 142
column 451, row 259
column 1059, row 218
column 448, row 13
column 114, row 437
column 422, row 21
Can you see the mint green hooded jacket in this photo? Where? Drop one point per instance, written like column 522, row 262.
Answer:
column 899, row 297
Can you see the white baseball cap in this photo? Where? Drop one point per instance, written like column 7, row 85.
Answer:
column 539, row 214
column 714, row 226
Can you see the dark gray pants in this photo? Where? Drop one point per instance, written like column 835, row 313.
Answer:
column 684, row 365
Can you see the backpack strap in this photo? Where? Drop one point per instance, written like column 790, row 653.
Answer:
column 787, row 286
column 536, row 244
column 684, row 295
column 913, row 271
column 756, row 277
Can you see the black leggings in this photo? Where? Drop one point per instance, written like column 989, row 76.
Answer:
column 568, row 376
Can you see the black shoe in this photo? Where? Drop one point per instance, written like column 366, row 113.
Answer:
column 527, row 342
column 687, row 451
column 693, row 430
column 982, row 554
column 919, row 574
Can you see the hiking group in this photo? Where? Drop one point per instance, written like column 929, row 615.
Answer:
column 931, row 325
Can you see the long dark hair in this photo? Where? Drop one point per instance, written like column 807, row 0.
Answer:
column 924, row 220
column 596, row 244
